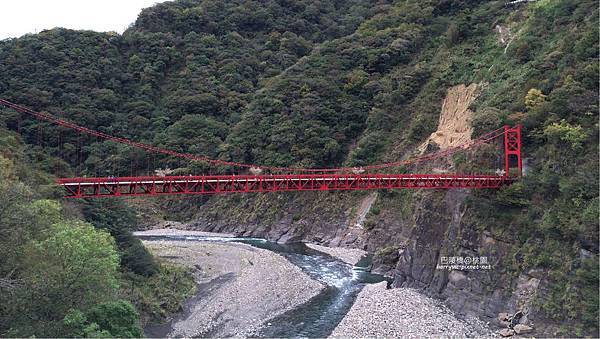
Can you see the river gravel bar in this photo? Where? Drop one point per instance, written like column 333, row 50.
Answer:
column 182, row 233
column 403, row 312
column 254, row 286
column 348, row 255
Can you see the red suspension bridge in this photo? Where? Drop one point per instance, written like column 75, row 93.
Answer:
column 275, row 179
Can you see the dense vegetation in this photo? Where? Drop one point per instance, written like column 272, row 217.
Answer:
column 61, row 276
column 179, row 78
column 304, row 83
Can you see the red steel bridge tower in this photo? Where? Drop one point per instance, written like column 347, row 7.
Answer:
column 512, row 148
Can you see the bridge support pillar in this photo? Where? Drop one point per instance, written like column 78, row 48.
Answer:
column 512, row 147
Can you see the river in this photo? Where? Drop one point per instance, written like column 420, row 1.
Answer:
column 320, row 315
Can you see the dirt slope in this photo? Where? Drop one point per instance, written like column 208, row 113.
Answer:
column 454, row 127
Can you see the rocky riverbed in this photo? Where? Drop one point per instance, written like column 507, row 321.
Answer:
column 402, row 312
column 240, row 287
column 246, row 290
column 182, row 233
column 348, row 255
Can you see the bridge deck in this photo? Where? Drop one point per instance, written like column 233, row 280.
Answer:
column 220, row 184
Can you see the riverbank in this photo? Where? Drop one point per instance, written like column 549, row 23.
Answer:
column 179, row 232
column 403, row 312
column 240, row 287
column 348, row 255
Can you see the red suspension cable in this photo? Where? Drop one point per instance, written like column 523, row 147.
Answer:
column 153, row 149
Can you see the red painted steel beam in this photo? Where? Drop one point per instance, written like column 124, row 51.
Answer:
column 512, row 147
column 222, row 184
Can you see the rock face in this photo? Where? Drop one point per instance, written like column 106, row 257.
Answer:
column 441, row 235
column 318, row 217
column 469, row 292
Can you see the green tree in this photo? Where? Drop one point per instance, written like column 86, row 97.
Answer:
column 108, row 320
column 119, row 218
column 574, row 136
column 119, row 318
column 75, row 267
column 75, row 324
column 534, row 98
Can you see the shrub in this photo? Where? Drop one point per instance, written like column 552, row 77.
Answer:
column 118, row 318
column 138, row 260
column 115, row 319
column 574, row 136
column 534, row 98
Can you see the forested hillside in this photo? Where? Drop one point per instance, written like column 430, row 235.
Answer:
column 311, row 84
column 180, row 77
